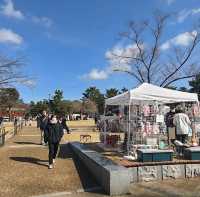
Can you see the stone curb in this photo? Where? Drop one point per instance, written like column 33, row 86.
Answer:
column 114, row 179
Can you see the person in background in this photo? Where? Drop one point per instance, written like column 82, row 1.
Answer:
column 20, row 122
column 1, row 121
column 15, row 121
column 169, row 118
column 30, row 121
column 182, row 124
column 170, row 125
column 54, row 133
column 95, row 118
column 64, row 125
column 15, row 125
column 43, row 124
column 26, row 119
column 38, row 119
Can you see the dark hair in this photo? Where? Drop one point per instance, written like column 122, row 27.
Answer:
column 52, row 116
column 179, row 111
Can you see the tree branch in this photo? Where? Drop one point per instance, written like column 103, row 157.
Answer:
column 183, row 62
column 179, row 78
column 130, row 73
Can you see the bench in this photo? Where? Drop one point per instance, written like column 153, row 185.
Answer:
column 85, row 138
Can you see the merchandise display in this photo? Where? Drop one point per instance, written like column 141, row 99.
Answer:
column 146, row 119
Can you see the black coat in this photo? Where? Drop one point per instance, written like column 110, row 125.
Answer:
column 64, row 124
column 43, row 122
column 54, row 132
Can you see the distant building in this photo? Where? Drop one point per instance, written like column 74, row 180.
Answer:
column 19, row 109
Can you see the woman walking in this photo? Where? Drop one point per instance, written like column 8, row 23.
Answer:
column 54, row 133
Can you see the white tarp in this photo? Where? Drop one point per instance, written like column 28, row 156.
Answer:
column 149, row 92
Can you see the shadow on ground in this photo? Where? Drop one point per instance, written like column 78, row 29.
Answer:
column 87, row 179
column 32, row 160
column 23, row 143
column 65, row 152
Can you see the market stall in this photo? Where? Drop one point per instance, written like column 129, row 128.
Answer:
column 142, row 114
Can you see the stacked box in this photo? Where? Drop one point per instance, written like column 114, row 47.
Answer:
column 153, row 155
column 192, row 153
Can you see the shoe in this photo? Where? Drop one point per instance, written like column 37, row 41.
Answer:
column 54, row 161
column 50, row 166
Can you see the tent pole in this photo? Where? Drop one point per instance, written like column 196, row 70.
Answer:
column 129, row 127
column 194, row 140
column 104, row 124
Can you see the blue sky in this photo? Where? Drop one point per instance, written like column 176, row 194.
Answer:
column 65, row 42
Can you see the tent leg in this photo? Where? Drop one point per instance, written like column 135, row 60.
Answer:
column 194, row 139
column 129, row 122
column 104, row 125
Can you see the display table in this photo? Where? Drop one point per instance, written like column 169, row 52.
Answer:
column 153, row 155
column 192, row 153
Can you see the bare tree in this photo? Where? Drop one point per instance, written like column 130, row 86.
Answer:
column 148, row 60
column 11, row 71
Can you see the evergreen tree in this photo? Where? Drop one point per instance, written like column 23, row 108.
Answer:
column 195, row 85
column 111, row 92
column 94, row 94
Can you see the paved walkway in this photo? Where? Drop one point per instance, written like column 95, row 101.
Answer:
column 24, row 172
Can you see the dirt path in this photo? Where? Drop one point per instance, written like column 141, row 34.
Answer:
column 24, row 168
column 24, row 172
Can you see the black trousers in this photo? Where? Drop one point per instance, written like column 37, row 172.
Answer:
column 53, row 149
column 181, row 138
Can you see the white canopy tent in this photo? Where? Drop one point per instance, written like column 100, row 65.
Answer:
column 150, row 93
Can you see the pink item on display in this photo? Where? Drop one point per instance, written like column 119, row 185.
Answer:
column 156, row 129
column 144, row 134
column 195, row 110
column 146, row 110
column 148, row 128
column 152, row 110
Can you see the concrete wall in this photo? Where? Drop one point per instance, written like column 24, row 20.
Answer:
column 114, row 179
column 164, row 172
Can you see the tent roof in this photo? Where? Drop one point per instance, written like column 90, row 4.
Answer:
column 148, row 92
